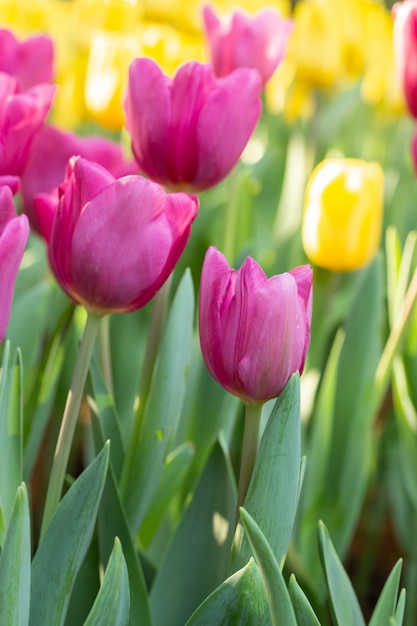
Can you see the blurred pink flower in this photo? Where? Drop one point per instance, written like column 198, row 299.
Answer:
column 55, row 147
column 112, row 243
column 242, row 40
column 188, row 132
column 405, row 50
column 22, row 114
column 30, row 61
column 254, row 331
column 14, row 232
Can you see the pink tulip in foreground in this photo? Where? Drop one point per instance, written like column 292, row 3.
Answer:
column 22, row 114
column 30, row 61
column 189, row 132
column 55, row 147
column 254, row 331
column 405, row 49
column 112, row 243
column 245, row 41
column 14, row 232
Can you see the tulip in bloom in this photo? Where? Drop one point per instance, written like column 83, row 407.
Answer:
column 22, row 114
column 112, row 243
column 31, row 61
column 188, row 133
column 55, row 147
column 405, row 50
column 245, row 41
column 343, row 213
column 254, row 331
column 14, row 232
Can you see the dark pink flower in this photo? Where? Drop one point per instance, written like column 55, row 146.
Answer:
column 14, row 232
column 254, row 331
column 405, row 50
column 245, row 41
column 188, row 132
column 30, row 61
column 112, row 243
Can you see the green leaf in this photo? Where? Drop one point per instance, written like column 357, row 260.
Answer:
column 280, row 607
column 197, row 559
column 65, row 544
column 15, row 565
column 113, row 599
column 11, row 462
column 385, row 608
column 238, row 600
column 399, row 613
column 278, row 464
column 303, row 610
column 164, row 404
column 344, row 602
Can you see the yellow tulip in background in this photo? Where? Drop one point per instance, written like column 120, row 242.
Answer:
column 343, row 213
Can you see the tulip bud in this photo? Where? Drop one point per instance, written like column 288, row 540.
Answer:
column 254, row 331
column 405, row 50
column 14, row 232
column 245, row 41
column 112, row 243
column 343, row 213
column 189, row 132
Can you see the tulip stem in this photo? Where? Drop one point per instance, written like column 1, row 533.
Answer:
column 249, row 451
column 69, row 420
column 105, row 353
column 152, row 347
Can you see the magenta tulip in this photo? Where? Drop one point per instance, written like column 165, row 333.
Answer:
column 254, row 331
column 22, row 114
column 245, row 41
column 55, row 147
column 30, row 61
column 405, row 49
column 112, row 243
column 14, row 232
column 188, row 132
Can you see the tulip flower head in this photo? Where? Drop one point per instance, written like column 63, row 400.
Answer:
column 112, row 243
column 254, row 331
column 245, row 41
column 188, row 132
column 343, row 213
column 30, row 61
column 14, row 232
column 405, row 50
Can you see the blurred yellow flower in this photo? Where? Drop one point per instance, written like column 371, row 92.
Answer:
column 343, row 212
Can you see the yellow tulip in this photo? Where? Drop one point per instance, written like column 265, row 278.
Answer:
column 343, row 213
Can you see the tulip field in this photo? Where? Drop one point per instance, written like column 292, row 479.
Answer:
column 208, row 318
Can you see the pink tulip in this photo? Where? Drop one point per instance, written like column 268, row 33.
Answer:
column 30, row 61
column 14, row 232
column 188, row 132
column 245, row 41
column 113, row 242
column 405, row 50
column 22, row 114
column 55, row 147
column 254, row 331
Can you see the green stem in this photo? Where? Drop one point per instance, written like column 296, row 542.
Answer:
column 69, row 420
column 105, row 353
column 152, row 347
column 249, row 451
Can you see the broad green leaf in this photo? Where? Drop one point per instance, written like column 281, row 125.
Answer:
column 65, row 544
column 112, row 522
column 175, row 470
column 197, row 558
column 303, row 610
column 238, row 600
column 15, row 565
column 385, row 608
column 399, row 613
column 86, row 586
column 277, row 465
column 11, row 461
column 280, row 607
column 164, row 405
column 343, row 599
column 113, row 599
